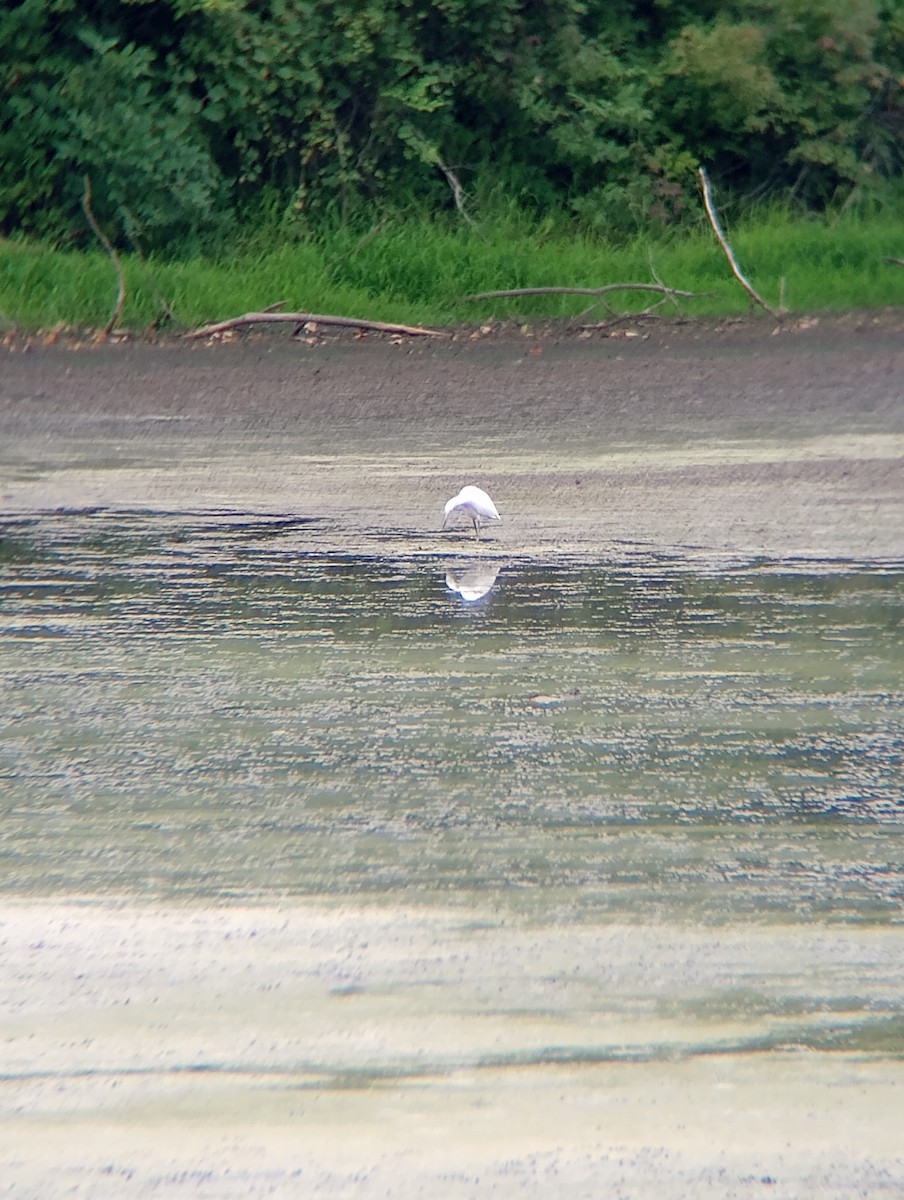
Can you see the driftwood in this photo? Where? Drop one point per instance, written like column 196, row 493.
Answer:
column 669, row 296
column 619, row 318
column 111, row 254
column 267, row 316
column 727, row 250
column 660, row 288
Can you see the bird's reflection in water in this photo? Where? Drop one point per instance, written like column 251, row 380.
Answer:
column 472, row 583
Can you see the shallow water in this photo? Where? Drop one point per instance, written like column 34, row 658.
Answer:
column 211, row 706
column 341, row 857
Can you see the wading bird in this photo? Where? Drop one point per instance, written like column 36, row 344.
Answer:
column 476, row 504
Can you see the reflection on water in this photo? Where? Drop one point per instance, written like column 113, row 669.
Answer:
column 472, row 583
column 202, row 706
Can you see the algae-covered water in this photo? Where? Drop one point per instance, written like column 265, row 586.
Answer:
column 204, row 706
column 340, row 857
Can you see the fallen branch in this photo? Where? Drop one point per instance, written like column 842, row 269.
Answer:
column 300, row 318
column 729, row 254
column 895, row 262
column 620, row 318
column 659, row 288
column 669, row 293
column 113, row 256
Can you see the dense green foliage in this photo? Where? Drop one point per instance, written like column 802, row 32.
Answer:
column 185, row 113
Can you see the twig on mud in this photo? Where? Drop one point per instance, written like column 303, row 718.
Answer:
column 727, row 250
column 620, row 318
column 111, row 253
column 299, row 318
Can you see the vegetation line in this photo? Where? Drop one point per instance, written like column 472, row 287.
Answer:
column 417, row 269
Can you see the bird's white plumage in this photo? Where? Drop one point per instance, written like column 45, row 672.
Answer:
column 475, row 503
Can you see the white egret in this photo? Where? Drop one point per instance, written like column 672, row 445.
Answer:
column 476, row 503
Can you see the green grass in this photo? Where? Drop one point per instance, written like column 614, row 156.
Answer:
column 418, row 271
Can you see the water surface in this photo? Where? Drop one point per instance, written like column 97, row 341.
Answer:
column 344, row 858
column 208, row 705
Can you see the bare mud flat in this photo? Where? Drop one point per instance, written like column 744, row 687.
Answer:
column 158, row 1044
column 725, row 442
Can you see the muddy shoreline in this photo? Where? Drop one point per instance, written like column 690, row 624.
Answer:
column 725, row 441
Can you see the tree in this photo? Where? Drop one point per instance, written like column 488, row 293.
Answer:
column 183, row 111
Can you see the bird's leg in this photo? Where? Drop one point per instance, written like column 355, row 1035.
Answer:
column 476, row 521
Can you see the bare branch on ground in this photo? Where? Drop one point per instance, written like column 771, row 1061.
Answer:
column 112, row 255
column 299, row 318
column 620, row 318
column 669, row 293
column 895, row 262
column 727, row 250
column 659, row 288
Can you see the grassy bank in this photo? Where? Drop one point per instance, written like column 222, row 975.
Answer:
column 419, row 271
